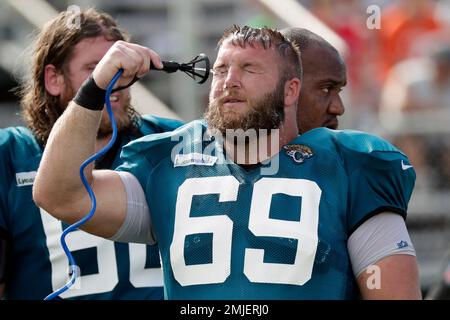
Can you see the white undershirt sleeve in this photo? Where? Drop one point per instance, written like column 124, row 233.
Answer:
column 137, row 226
column 383, row 235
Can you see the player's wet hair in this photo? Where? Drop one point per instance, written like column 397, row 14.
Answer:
column 289, row 53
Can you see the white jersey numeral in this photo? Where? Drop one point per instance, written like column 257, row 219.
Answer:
column 107, row 277
column 141, row 277
column 221, row 226
column 305, row 231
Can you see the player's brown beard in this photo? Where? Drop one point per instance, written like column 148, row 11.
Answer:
column 264, row 113
column 122, row 115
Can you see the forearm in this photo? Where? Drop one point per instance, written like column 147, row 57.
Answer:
column 71, row 141
column 57, row 187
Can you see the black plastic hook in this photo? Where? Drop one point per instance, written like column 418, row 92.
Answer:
column 198, row 69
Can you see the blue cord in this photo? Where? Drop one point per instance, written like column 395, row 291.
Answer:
column 72, row 265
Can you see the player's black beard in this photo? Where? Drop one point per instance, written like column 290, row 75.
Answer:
column 264, row 113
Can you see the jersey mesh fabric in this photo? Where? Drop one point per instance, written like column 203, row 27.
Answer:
column 250, row 219
column 34, row 234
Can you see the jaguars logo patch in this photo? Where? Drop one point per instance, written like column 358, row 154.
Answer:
column 298, row 152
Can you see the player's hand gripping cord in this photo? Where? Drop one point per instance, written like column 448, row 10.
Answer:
column 198, row 69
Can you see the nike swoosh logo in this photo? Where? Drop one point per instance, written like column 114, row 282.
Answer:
column 406, row 166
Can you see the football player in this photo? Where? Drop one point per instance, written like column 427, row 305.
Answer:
column 327, row 224
column 324, row 77
column 33, row 263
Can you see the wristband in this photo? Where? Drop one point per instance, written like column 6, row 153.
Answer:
column 90, row 96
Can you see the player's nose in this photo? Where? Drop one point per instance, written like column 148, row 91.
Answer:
column 232, row 79
column 337, row 106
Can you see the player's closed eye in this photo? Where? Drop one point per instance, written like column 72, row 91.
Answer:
column 91, row 67
column 219, row 73
column 251, row 70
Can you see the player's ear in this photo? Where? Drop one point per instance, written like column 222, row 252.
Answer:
column 54, row 80
column 291, row 91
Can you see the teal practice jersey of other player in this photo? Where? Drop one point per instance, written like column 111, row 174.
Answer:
column 225, row 232
column 36, row 263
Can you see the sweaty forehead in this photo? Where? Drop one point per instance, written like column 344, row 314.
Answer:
column 322, row 63
column 232, row 51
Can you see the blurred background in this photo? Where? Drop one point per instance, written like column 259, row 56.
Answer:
column 398, row 62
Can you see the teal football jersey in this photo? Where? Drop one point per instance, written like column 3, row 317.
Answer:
column 229, row 233
column 36, row 264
